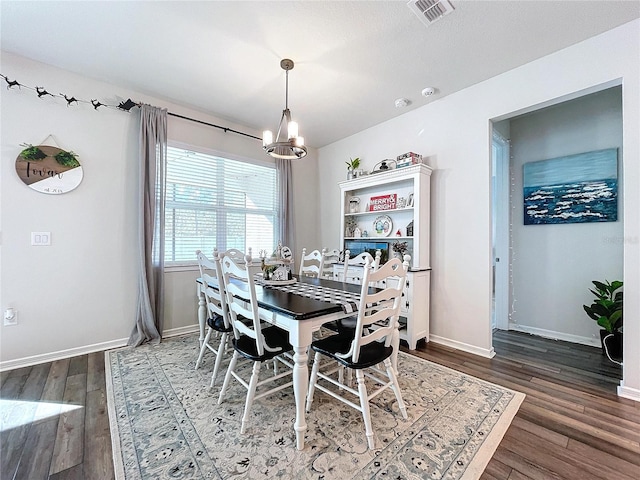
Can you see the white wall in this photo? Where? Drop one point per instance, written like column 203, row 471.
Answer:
column 553, row 265
column 454, row 134
column 80, row 294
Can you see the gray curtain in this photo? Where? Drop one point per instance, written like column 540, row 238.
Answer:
column 285, row 198
column 153, row 153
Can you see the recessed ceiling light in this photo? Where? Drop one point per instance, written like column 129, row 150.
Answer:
column 428, row 91
column 402, row 102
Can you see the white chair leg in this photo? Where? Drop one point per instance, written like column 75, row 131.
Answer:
column 251, row 392
column 364, row 404
column 227, row 377
column 395, row 386
column 313, row 380
column 203, row 347
column 349, row 377
column 395, row 343
column 222, row 347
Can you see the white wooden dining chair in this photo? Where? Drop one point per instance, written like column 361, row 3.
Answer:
column 329, row 258
column 363, row 349
column 217, row 312
column 310, row 263
column 236, row 255
column 354, row 275
column 252, row 342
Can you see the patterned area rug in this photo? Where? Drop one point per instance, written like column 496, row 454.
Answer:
column 165, row 423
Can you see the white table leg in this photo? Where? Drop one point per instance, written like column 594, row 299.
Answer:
column 300, row 388
column 202, row 312
column 300, row 338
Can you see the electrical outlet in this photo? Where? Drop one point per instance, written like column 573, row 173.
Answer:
column 41, row 238
column 10, row 317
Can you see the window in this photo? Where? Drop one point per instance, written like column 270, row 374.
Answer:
column 213, row 201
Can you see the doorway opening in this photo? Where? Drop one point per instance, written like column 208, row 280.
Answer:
column 542, row 272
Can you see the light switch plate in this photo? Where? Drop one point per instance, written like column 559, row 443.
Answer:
column 41, row 238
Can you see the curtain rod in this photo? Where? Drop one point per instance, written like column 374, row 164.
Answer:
column 226, row 129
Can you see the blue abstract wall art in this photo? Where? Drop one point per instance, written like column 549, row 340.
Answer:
column 573, row 189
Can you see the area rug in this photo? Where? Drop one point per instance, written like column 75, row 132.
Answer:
column 165, row 423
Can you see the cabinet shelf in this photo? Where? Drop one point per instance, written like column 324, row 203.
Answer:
column 379, row 212
column 369, row 239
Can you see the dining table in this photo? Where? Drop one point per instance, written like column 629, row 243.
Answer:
column 300, row 308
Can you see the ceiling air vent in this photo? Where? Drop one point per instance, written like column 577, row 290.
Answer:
column 429, row 11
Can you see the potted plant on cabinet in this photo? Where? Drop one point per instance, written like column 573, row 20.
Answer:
column 606, row 310
column 352, row 165
column 399, row 249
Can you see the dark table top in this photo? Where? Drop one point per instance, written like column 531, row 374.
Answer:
column 297, row 306
column 300, row 307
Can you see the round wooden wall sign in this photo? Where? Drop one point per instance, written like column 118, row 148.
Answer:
column 49, row 169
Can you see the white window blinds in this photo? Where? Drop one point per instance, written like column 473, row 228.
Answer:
column 217, row 202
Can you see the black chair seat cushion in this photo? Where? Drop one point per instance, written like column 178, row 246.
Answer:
column 217, row 324
column 343, row 325
column 273, row 336
column 370, row 354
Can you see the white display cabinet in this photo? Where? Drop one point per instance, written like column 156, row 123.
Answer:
column 393, row 206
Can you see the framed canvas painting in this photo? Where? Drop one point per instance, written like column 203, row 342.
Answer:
column 573, row 189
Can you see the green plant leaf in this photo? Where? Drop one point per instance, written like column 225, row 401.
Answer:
column 615, row 317
column 67, row 159
column 31, row 152
column 590, row 312
column 353, row 163
column 606, row 309
column 606, row 324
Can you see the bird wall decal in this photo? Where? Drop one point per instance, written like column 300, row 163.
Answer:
column 11, row 83
column 42, row 92
column 127, row 105
column 69, row 100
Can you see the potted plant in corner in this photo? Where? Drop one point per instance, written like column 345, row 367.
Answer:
column 352, row 165
column 606, row 309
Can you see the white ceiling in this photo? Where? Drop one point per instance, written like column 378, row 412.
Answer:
column 353, row 59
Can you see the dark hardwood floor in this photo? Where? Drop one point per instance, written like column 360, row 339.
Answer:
column 570, row 426
column 48, row 438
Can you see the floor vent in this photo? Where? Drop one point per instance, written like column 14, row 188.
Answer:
column 429, row 11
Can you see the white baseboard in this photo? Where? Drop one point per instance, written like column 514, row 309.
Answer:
column 465, row 347
column 60, row 354
column 628, row 392
column 83, row 350
column 541, row 332
column 176, row 332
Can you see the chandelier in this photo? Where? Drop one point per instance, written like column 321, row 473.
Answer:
column 293, row 147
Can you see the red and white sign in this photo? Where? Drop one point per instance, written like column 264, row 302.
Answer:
column 383, row 202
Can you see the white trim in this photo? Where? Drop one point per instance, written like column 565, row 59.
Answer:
column 60, row 354
column 177, row 332
column 181, row 267
column 628, row 392
column 501, row 209
column 465, row 347
column 541, row 332
column 83, row 350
